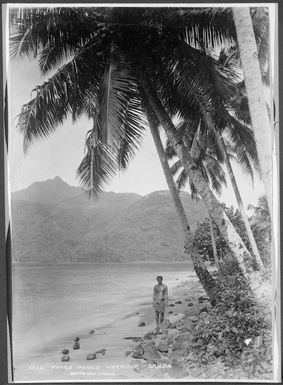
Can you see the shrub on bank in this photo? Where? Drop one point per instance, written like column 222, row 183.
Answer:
column 235, row 331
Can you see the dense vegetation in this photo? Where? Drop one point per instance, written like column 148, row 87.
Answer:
column 236, row 331
column 261, row 226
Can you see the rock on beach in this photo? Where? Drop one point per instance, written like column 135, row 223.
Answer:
column 163, row 347
column 138, row 352
column 101, row 351
column 65, row 358
column 150, row 351
column 91, row 356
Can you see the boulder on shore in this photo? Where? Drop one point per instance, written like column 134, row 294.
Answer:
column 91, row 356
column 163, row 347
column 150, row 351
column 138, row 352
column 65, row 358
column 101, row 351
column 141, row 324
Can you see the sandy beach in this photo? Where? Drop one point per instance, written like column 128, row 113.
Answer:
column 118, row 339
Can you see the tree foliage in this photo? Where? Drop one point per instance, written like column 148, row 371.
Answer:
column 261, row 227
column 202, row 240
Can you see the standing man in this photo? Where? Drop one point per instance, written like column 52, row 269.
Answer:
column 160, row 301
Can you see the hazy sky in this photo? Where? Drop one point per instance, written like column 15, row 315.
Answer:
column 61, row 153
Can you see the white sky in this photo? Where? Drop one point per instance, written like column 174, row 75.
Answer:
column 61, row 153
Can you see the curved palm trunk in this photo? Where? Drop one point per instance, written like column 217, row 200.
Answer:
column 168, row 176
column 241, row 206
column 203, row 274
column 214, row 207
column 255, row 92
column 213, row 241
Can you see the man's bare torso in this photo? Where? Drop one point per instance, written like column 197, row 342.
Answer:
column 160, row 292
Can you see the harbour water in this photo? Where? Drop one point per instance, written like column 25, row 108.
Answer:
column 54, row 303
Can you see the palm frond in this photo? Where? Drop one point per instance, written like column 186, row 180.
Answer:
column 97, row 167
column 242, row 138
column 182, row 180
column 216, row 174
column 54, row 55
column 61, row 95
column 47, row 29
column 206, row 26
column 195, row 73
column 134, row 129
column 119, row 99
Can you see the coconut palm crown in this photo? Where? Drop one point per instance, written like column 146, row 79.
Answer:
column 102, row 56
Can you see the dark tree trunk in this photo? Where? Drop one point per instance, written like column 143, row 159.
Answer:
column 213, row 241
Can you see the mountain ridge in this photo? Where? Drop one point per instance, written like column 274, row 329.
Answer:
column 118, row 227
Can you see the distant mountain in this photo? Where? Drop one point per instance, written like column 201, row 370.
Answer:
column 117, row 227
column 49, row 191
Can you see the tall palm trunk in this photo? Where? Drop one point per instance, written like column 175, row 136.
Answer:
column 241, row 205
column 168, row 176
column 215, row 209
column 213, row 242
column 256, row 95
column 203, row 274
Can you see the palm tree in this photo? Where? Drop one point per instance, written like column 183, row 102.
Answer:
column 243, row 144
column 214, row 207
column 256, row 96
column 241, row 206
column 210, row 167
column 106, row 66
column 204, row 276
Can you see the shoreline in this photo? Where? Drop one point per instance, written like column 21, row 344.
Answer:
column 118, row 338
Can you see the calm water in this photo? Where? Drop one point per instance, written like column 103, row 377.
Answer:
column 53, row 303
